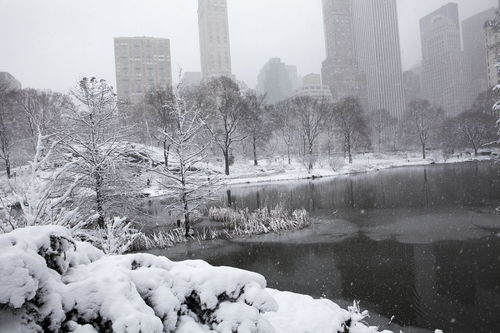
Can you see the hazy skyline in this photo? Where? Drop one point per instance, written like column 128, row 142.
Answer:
column 51, row 44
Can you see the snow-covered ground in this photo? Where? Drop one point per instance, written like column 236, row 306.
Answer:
column 51, row 282
column 279, row 170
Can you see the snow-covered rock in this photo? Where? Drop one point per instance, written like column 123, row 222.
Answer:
column 50, row 283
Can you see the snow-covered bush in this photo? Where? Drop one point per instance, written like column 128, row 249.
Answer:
column 260, row 221
column 53, row 283
column 50, row 282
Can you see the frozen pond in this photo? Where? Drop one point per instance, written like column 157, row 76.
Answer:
column 421, row 244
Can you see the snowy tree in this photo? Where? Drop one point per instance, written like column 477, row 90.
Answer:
column 311, row 116
column 256, row 124
column 285, row 125
column 42, row 109
column 7, row 140
column 475, row 129
column 350, row 121
column 43, row 195
column 380, row 120
column 422, row 119
column 92, row 142
column 186, row 178
column 161, row 101
column 222, row 99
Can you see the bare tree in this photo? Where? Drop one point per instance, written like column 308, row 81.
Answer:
column 186, row 178
column 93, row 143
column 349, row 118
column 422, row 119
column 311, row 116
column 285, row 124
column 226, row 106
column 256, row 124
column 7, row 140
column 161, row 102
column 380, row 120
column 475, row 129
column 42, row 108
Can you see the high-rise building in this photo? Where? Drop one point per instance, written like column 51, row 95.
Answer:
column 276, row 81
column 9, row 82
column 475, row 62
column 142, row 64
column 442, row 60
column 412, row 85
column 214, row 38
column 379, row 54
column 492, row 32
column 191, row 79
column 340, row 69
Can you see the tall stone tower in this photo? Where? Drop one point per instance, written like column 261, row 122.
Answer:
column 215, row 50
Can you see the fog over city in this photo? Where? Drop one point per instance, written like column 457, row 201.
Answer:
column 249, row 166
column 71, row 38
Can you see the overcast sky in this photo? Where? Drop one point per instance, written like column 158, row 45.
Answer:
column 53, row 43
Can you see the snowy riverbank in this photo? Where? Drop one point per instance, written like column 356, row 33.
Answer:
column 50, row 282
column 272, row 171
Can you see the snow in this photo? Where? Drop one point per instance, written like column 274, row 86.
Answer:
column 51, row 282
column 277, row 170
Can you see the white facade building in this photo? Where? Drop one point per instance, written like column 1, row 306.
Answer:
column 215, row 51
column 142, row 64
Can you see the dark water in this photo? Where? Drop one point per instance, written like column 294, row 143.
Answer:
column 421, row 244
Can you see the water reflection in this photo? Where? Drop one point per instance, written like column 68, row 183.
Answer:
column 451, row 285
column 422, row 244
column 471, row 184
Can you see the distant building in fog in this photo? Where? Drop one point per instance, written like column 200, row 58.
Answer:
column 9, row 82
column 475, row 62
column 191, row 79
column 142, row 64
column 311, row 80
column 215, row 49
column 277, row 81
column 492, row 31
column 379, row 54
column 442, row 60
column 340, row 69
column 412, row 85
column 312, row 87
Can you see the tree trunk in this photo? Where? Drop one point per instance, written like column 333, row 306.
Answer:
column 379, row 141
column 424, row 155
column 310, row 166
column 99, row 201
column 349, row 153
column 7, row 168
column 226, row 161
column 187, row 222
column 288, row 153
column 166, row 152
column 475, row 151
column 254, row 142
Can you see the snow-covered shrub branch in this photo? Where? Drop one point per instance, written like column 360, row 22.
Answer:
column 41, row 197
column 190, row 183
column 50, row 282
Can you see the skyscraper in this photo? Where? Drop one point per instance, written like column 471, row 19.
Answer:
column 276, row 80
column 475, row 53
column 215, row 50
column 340, row 69
column 142, row 64
column 379, row 54
column 492, row 32
column 442, row 60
